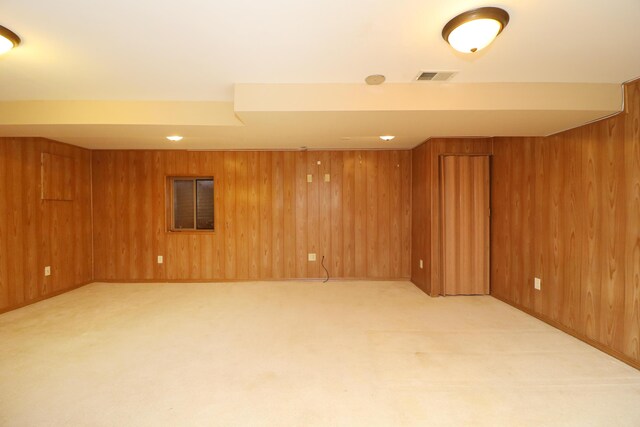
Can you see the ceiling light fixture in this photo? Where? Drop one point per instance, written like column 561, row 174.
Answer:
column 8, row 40
column 387, row 137
column 474, row 30
column 174, row 138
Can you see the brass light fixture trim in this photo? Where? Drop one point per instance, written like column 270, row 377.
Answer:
column 495, row 13
column 9, row 35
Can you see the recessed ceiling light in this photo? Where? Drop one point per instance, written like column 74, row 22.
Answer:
column 174, row 138
column 387, row 137
column 8, row 40
column 375, row 79
column 474, row 30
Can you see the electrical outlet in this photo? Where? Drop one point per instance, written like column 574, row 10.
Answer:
column 536, row 283
column 160, row 259
column 421, row 264
column 47, row 270
column 312, row 257
column 327, row 177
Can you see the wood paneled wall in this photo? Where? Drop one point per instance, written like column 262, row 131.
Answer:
column 421, row 217
column 426, row 206
column 35, row 233
column 268, row 217
column 566, row 209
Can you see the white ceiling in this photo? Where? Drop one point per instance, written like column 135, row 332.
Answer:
column 196, row 50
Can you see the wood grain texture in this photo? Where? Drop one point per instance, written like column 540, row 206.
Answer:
column 406, row 191
column 57, row 177
column 289, row 215
column 277, row 214
column 465, row 224
column 566, row 209
column 337, row 227
column 313, row 214
column 267, row 218
column 395, row 197
column 512, row 177
column 347, row 196
column 421, row 217
column 631, row 333
column 371, row 158
column 35, row 233
column 360, row 217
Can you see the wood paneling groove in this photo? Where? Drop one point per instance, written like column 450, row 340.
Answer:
column 289, row 216
column 360, row 219
column 395, row 222
column 338, row 214
column 324, row 214
column 405, row 173
column 313, row 199
column 229, row 220
column 300, row 214
column 277, row 206
column 371, row 159
column 348, row 214
column 252, row 230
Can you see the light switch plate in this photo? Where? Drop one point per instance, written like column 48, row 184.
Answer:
column 47, row 271
column 160, row 259
column 536, row 283
column 421, row 264
column 327, row 177
column 309, row 178
column 312, row 257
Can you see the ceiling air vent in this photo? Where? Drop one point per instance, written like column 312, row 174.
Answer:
column 435, row 76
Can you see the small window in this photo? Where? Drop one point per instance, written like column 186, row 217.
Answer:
column 191, row 204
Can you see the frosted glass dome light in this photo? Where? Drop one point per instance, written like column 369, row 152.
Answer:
column 474, row 30
column 8, row 40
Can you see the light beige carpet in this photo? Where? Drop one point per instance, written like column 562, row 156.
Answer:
column 299, row 354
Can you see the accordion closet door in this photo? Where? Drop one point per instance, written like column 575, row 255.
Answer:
column 464, row 188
